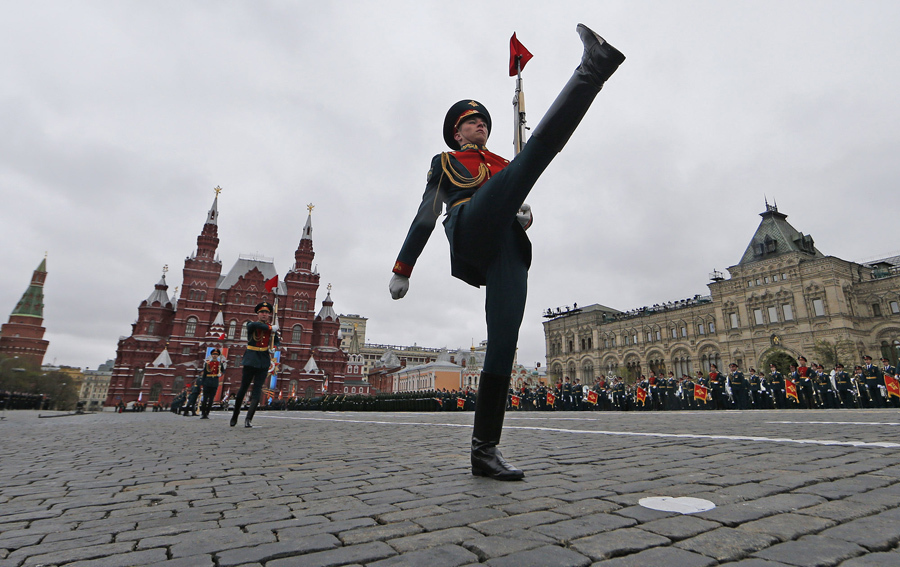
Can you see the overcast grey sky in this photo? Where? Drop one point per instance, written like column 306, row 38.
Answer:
column 119, row 118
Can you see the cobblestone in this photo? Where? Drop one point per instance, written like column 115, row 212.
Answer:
column 373, row 490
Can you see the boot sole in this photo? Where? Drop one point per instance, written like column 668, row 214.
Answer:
column 479, row 472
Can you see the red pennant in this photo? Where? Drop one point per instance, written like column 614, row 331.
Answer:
column 517, row 51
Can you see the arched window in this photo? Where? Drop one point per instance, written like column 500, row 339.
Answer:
column 296, row 334
column 151, row 327
column 244, row 331
column 155, row 391
column 138, row 379
column 587, row 372
column 232, row 329
column 178, row 384
column 191, row 328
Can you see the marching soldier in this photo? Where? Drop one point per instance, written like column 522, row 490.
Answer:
column 755, row 386
column 703, row 401
column 485, row 226
column 823, row 388
column 717, row 384
column 874, row 378
column 687, row 392
column 213, row 367
column 844, row 386
column 738, row 387
column 261, row 336
column 889, row 370
column 776, row 384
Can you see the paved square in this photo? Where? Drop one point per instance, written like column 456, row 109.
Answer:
column 800, row 488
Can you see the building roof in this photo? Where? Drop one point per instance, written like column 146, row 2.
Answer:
column 327, row 310
column 213, row 216
column 32, row 302
column 245, row 263
column 776, row 237
column 159, row 293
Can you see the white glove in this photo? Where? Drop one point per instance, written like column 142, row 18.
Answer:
column 399, row 286
column 275, row 327
column 524, row 216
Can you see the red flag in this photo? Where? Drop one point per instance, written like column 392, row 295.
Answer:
column 641, row 395
column 892, row 385
column 592, row 397
column 515, row 401
column 551, row 399
column 460, row 403
column 272, row 284
column 790, row 390
column 700, row 392
column 517, row 51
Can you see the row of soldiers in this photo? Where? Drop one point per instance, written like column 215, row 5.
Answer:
column 805, row 386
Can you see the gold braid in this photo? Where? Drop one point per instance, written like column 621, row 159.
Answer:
column 458, row 179
column 464, row 182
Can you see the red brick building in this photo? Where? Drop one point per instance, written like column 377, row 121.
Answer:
column 169, row 340
column 23, row 335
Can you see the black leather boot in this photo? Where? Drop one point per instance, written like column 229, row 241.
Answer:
column 490, row 407
column 599, row 61
column 250, row 412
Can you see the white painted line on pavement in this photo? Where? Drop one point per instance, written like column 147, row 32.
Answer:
column 837, row 422
column 865, row 444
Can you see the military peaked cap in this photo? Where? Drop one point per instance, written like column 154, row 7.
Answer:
column 460, row 110
column 264, row 306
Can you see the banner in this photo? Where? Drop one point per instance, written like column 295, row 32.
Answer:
column 892, row 385
column 460, row 403
column 517, row 51
column 790, row 390
column 515, row 401
column 551, row 399
column 641, row 395
column 700, row 392
column 592, row 397
column 273, row 369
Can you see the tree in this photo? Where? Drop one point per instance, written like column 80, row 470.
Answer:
column 782, row 361
column 18, row 375
column 830, row 353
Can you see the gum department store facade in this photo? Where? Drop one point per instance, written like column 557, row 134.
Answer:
column 782, row 297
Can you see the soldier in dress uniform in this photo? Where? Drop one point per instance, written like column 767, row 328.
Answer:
column 701, row 402
column 261, row 336
column 874, row 380
column 213, row 367
column 844, row 386
column 673, row 402
column 687, row 392
column 717, row 385
column 738, row 387
column 776, row 384
column 888, row 370
column 485, row 227
column 191, row 405
column 755, row 389
column 824, row 390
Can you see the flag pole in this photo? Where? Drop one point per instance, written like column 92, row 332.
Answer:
column 519, row 110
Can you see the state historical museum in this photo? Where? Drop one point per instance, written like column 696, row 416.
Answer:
column 171, row 336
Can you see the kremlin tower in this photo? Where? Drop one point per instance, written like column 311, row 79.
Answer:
column 23, row 335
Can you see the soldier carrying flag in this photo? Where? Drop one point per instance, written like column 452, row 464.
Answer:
column 484, row 195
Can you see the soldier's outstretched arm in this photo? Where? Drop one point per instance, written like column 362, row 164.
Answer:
column 419, row 231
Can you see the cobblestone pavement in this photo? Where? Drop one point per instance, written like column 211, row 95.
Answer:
column 801, row 488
